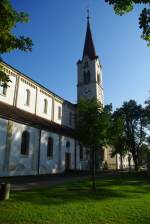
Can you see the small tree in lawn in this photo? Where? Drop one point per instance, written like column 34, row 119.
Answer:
column 9, row 17
column 91, row 128
column 117, row 137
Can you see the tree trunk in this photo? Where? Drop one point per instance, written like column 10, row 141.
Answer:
column 121, row 162
column 4, row 191
column 129, row 162
column 135, row 159
column 93, row 171
column 136, row 165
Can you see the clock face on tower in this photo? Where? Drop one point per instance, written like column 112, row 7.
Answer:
column 87, row 91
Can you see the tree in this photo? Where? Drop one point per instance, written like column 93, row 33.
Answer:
column 124, row 6
column 117, row 138
column 135, row 124
column 9, row 17
column 92, row 124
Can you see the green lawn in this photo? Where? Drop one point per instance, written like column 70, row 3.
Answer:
column 118, row 200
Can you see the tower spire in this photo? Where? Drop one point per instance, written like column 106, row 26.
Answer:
column 89, row 49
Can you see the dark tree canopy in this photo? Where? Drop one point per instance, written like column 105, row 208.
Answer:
column 124, row 6
column 135, row 127
column 9, row 18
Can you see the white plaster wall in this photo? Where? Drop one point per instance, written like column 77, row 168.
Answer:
column 47, row 165
column 40, row 105
column 66, row 110
column 9, row 98
column 125, row 162
column 21, row 98
column 23, row 164
column 56, row 105
column 3, row 135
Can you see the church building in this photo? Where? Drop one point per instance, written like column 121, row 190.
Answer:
column 37, row 126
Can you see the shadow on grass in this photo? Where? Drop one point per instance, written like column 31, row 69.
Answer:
column 107, row 188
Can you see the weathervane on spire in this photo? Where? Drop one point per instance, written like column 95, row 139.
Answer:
column 88, row 14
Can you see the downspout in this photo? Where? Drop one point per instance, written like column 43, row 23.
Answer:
column 39, row 154
column 75, row 157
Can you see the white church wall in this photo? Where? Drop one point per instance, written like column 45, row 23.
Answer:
column 58, row 111
column 68, row 115
column 24, row 86
column 23, row 164
column 3, row 135
column 125, row 161
column 49, row 165
column 41, row 96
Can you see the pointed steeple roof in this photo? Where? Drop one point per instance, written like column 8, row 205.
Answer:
column 89, row 49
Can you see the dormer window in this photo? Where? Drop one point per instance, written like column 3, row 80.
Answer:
column 27, row 97
column 59, row 112
column 87, row 77
column 45, row 106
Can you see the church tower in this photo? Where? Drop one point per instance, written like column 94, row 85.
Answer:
column 89, row 71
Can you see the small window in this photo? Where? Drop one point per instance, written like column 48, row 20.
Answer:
column 59, row 112
column 68, row 144
column 27, row 97
column 50, row 148
column 25, row 143
column 70, row 118
column 3, row 89
column 86, row 64
column 81, row 151
column 45, row 106
column 87, row 77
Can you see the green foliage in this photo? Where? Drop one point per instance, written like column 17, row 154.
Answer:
column 124, row 6
column 117, row 138
column 9, row 18
column 4, row 79
column 135, row 127
column 92, row 123
column 118, row 200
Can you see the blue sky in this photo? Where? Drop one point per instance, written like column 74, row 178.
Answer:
column 57, row 29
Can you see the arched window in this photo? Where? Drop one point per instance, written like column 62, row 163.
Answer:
column 50, row 148
column 68, row 144
column 87, row 77
column 86, row 64
column 27, row 97
column 45, row 106
column 25, row 143
column 81, row 151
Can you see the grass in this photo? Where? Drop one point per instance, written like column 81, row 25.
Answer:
column 117, row 200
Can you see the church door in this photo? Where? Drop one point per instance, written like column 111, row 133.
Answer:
column 67, row 160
